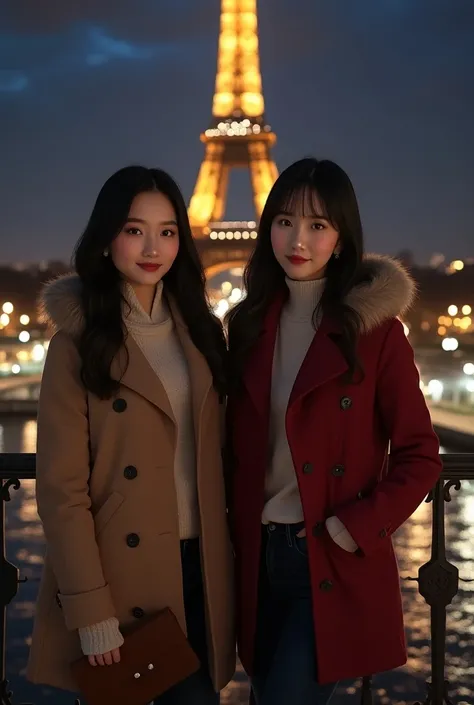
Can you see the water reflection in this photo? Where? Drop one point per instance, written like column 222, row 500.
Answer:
column 413, row 543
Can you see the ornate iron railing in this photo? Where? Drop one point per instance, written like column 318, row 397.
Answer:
column 438, row 579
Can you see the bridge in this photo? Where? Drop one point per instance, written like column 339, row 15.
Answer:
column 19, row 396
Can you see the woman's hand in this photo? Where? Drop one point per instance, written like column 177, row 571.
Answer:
column 106, row 659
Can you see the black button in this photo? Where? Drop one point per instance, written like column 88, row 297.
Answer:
column 338, row 470
column 58, row 600
column 130, row 472
column 133, row 540
column 119, row 405
column 138, row 613
column 383, row 533
column 346, row 403
column 307, row 468
column 325, row 586
column 318, row 529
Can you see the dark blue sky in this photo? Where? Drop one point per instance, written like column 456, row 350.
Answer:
column 384, row 87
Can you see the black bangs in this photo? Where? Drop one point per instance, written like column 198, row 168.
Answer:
column 303, row 200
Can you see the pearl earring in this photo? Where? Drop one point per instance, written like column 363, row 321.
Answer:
column 336, row 255
column 106, row 253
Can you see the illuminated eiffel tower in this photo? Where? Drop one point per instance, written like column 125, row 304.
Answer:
column 238, row 137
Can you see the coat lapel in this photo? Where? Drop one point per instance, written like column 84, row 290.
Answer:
column 140, row 377
column 323, row 362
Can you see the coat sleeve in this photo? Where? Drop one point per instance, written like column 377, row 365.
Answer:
column 414, row 462
column 62, row 488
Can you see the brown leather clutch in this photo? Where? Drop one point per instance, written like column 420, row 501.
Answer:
column 155, row 657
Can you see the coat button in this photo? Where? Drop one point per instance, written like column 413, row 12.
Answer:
column 119, row 405
column 346, row 403
column 133, row 540
column 138, row 613
column 307, row 468
column 318, row 529
column 360, row 495
column 130, row 472
column 338, row 470
column 325, row 585
column 383, row 533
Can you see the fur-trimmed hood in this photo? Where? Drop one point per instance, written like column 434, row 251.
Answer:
column 387, row 291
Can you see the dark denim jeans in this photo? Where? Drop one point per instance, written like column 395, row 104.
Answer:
column 285, row 654
column 198, row 688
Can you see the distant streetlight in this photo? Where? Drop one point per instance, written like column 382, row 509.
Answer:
column 4, row 319
column 435, row 389
column 7, row 307
column 24, row 336
column 452, row 310
column 449, row 344
column 16, row 369
column 457, row 265
column 38, row 352
column 466, row 310
column 24, row 320
column 468, row 368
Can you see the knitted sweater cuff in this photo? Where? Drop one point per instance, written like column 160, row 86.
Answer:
column 101, row 638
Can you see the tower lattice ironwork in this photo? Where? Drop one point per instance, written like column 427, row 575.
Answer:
column 238, row 136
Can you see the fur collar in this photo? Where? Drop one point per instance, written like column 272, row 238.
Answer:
column 386, row 291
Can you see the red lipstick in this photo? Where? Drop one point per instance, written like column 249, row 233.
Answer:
column 296, row 259
column 149, row 267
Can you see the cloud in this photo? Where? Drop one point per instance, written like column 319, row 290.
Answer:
column 36, row 59
column 12, row 81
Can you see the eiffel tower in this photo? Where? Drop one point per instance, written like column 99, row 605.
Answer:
column 238, row 137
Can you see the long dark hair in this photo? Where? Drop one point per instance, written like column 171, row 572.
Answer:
column 264, row 278
column 104, row 332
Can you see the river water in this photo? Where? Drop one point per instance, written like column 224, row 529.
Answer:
column 25, row 548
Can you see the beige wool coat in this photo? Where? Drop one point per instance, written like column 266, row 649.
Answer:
column 107, row 500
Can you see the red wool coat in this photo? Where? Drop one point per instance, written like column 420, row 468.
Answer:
column 339, row 434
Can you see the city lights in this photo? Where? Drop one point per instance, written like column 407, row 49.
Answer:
column 24, row 320
column 8, row 307
column 16, row 369
column 435, row 389
column 24, row 336
column 468, row 368
column 38, row 353
column 449, row 344
column 466, row 309
column 4, row 319
column 452, row 310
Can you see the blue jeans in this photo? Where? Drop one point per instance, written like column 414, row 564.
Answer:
column 198, row 688
column 285, row 670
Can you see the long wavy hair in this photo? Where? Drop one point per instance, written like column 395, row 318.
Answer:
column 104, row 333
column 264, row 278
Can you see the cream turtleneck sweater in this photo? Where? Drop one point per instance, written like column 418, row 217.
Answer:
column 156, row 336
column 295, row 334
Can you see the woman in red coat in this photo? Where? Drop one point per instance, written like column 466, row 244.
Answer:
column 326, row 382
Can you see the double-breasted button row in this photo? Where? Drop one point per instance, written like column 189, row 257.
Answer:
column 337, row 470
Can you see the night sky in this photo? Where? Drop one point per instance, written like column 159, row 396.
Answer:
column 384, row 87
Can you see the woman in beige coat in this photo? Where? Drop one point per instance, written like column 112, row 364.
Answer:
column 130, row 486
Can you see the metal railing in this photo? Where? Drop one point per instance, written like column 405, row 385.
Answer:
column 438, row 579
